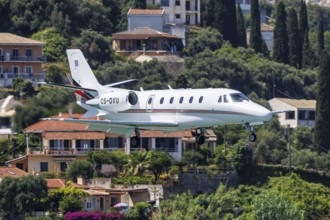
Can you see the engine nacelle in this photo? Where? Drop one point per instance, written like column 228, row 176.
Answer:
column 118, row 101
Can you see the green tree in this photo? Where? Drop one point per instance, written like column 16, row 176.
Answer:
column 56, row 43
column 320, row 33
column 70, row 204
column 294, row 40
column 138, row 163
column 20, row 195
column 241, row 29
column 271, row 204
column 141, row 211
column 97, row 158
column 206, row 39
column 321, row 129
column 243, row 162
column 281, row 49
column 209, row 15
column 303, row 22
column 78, row 168
column 22, row 88
column 192, row 158
column 96, row 48
column 118, row 158
column 308, row 55
column 159, row 162
column 255, row 33
column 225, row 20
column 139, row 4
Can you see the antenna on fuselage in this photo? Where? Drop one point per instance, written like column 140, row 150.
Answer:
column 141, row 89
column 169, row 87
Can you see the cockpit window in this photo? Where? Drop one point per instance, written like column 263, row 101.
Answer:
column 225, row 99
column 238, row 97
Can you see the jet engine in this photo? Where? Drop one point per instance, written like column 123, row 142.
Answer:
column 118, row 101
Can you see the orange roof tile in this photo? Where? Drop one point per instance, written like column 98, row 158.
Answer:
column 146, row 11
column 12, row 172
column 58, row 183
column 266, row 27
column 92, row 135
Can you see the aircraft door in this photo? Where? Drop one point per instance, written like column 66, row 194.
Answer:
column 150, row 101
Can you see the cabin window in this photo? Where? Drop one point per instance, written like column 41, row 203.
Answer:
column 201, row 99
column 150, row 100
column 225, row 99
column 220, row 99
column 162, row 100
column 191, row 99
column 181, row 100
column 171, row 100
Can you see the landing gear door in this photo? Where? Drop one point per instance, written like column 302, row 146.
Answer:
column 150, row 101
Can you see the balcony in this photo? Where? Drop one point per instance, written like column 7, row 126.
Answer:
column 67, row 152
column 22, row 59
column 8, row 74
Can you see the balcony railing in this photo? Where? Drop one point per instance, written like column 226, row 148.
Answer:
column 8, row 74
column 22, row 59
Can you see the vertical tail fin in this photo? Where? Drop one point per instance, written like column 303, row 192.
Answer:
column 82, row 74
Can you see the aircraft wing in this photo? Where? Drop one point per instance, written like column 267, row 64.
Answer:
column 116, row 123
column 280, row 111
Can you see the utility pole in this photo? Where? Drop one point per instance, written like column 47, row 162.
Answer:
column 289, row 148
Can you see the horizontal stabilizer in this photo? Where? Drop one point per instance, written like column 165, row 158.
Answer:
column 121, row 82
column 72, row 87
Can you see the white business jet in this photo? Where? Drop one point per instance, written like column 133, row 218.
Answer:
column 127, row 111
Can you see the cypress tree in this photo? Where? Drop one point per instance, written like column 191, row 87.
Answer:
column 255, row 32
column 220, row 12
column 303, row 23
column 308, row 56
column 209, row 16
column 281, row 48
column 320, row 33
column 322, row 122
column 241, row 29
column 294, row 39
column 232, row 22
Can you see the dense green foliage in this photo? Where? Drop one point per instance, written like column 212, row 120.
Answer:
column 322, row 126
column 20, row 195
column 294, row 39
column 241, row 29
column 80, row 168
column 281, row 198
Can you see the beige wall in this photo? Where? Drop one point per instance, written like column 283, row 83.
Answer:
column 37, row 50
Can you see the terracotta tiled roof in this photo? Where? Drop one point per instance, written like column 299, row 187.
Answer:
column 142, row 33
column 146, row 11
column 8, row 38
column 11, row 172
column 58, row 183
column 299, row 103
column 96, row 193
column 74, row 135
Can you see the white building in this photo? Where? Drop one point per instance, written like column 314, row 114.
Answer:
column 180, row 12
column 302, row 111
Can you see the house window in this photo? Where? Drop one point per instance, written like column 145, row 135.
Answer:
column 289, row 115
column 302, row 115
column 113, row 201
column 90, row 203
column 177, row 16
column 43, row 166
column 187, row 5
column 28, row 69
column 28, row 52
column 15, row 69
column 115, row 142
column 15, row 54
column 177, row 2
column 165, row 3
column 63, row 166
column 85, row 145
column 1, row 58
column 1, row 71
column 59, row 144
column 166, row 144
column 311, row 115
